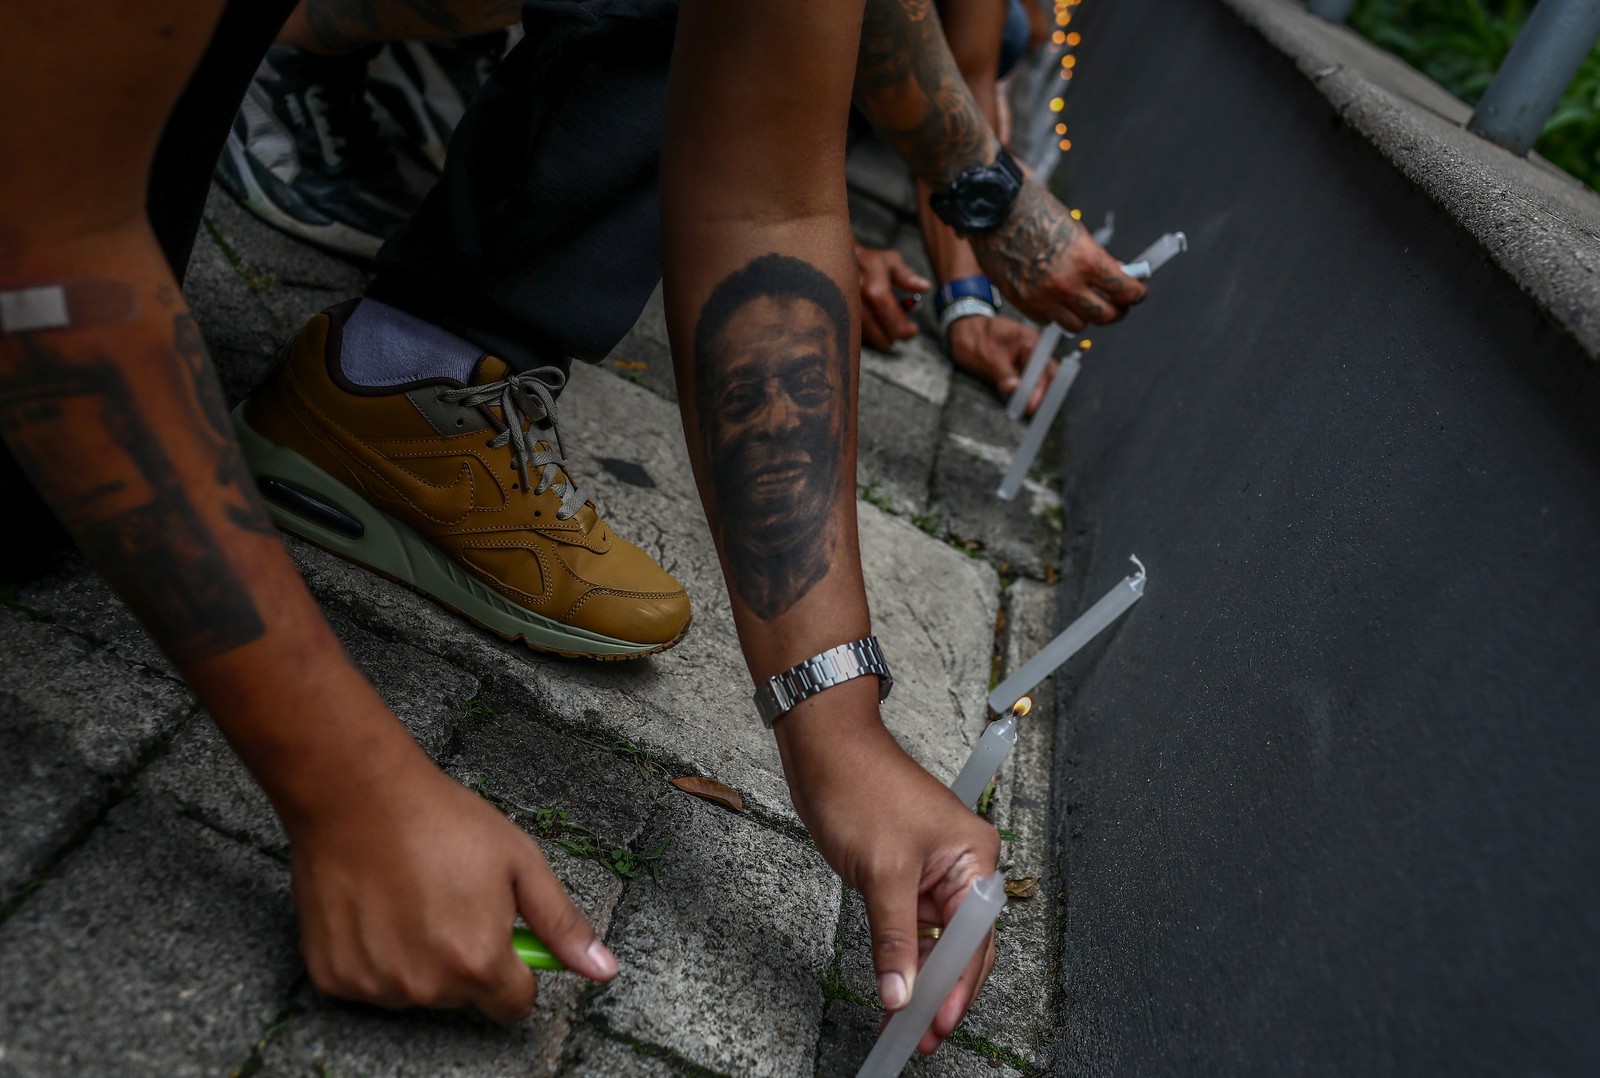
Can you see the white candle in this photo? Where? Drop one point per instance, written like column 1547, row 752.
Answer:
column 1033, row 437
column 1158, row 254
column 1074, row 636
column 960, row 940
column 1048, row 337
column 998, row 739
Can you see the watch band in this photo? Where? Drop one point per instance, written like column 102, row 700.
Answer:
column 977, row 285
column 832, row 667
column 965, row 307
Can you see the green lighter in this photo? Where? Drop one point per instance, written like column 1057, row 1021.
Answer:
column 531, row 949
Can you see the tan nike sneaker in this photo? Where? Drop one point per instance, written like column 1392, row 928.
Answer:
column 452, row 489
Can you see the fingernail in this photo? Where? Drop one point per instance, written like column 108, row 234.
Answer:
column 892, row 991
column 601, row 959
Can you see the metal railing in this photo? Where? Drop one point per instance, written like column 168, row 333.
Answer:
column 1536, row 72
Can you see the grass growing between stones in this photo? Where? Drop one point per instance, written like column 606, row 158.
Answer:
column 835, row 988
column 992, row 1051
column 579, row 841
column 269, row 1030
column 255, row 282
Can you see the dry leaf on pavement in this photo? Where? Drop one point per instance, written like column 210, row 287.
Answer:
column 711, row 790
column 1023, row 887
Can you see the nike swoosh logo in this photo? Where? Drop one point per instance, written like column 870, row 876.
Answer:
column 444, row 504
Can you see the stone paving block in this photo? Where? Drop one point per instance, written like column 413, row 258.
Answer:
column 591, row 1054
column 74, row 720
column 939, row 639
column 157, row 948
column 232, row 315
column 1024, row 534
column 528, row 764
column 78, row 599
column 644, row 356
column 722, row 961
column 292, row 307
column 849, row 1031
column 273, row 257
column 892, row 464
column 327, row 1037
column 200, row 770
column 918, row 366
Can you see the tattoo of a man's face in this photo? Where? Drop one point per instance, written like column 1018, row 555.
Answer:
column 773, row 391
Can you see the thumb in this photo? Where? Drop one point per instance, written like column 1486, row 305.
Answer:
column 1007, row 383
column 892, row 916
column 544, row 904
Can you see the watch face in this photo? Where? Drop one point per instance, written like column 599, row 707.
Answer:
column 987, row 199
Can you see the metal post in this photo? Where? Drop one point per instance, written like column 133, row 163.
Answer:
column 1541, row 64
column 1333, row 10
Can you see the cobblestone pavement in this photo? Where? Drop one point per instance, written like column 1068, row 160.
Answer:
column 145, row 921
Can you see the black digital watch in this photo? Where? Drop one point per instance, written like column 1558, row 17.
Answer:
column 981, row 196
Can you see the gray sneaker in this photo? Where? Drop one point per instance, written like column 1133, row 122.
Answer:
column 306, row 156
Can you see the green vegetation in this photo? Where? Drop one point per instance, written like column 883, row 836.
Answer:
column 579, row 841
column 1460, row 44
column 834, row 987
column 990, row 1050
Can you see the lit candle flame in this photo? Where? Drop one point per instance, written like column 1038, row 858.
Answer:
column 1021, row 708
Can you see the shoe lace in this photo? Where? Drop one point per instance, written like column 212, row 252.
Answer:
column 526, row 399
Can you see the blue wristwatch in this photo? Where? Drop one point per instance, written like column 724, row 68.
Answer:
column 976, row 286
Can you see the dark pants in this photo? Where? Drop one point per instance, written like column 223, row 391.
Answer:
column 543, row 239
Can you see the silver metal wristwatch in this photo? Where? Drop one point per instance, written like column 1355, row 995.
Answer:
column 833, row 667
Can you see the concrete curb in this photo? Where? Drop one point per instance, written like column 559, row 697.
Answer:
column 1539, row 225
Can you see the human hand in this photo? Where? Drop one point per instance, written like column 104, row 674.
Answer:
column 996, row 350
column 897, row 835
column 883, row 319
column 407, row 893
column 1050, row 268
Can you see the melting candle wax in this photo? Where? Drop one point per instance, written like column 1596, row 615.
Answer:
column 988, row 754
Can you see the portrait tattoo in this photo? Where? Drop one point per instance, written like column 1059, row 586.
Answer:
column 773, row 391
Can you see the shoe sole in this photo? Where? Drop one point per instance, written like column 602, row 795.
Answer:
column 339, row 239
column 393, row 550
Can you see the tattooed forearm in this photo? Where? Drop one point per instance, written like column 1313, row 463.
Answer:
column 238, row 488
column 774, row 393
column 346, row 25
column 1019, row 254
column 75, row 426
column 908, row 85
